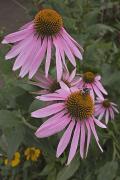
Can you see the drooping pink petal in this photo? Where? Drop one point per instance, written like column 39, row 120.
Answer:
column 67, row 51
column 72, row 46
column 58, row 61
column 38, row 58
column 92, row 126
column 66, row 74
column 107, row 116
column 99, row 111
column 115, row 109
column 100, row 124
column 72, row 39
column 19, row 35
column 31, row 54
column 88, row 136
column 111, row 113
column 101, row 115
column 65, row 139
column 53, row 128
column 74, row 143
column 47, row 111
column 61, row 51
column 82, row 140
column 72, row 75
column 24, row 54
column 97, row 91
column 17, row 48
column 48, row 57
column 101, row 88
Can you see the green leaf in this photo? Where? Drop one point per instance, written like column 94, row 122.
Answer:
column 8, row 118
column 14, row 137
column 108, row 171
column 36, row 104
column 48, row 168
column 68, row 171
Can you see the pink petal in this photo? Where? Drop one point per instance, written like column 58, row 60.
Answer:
column 115, row 109
column 49, row 110
column 40, row 84
column 99, row 123
column 101, row 88
column 41, row 78
column 63, row 93
column 72, row 39
column 111, row 113
column 92, row 126
column 48, row 57
column 67, row 51
column 17, row 48
column 38, row 58
column 26, row 25
column 52, row 128
column 74, row 143
column 98, row 78
column 72, row 75
column 107, row 116
column 99, row 111
column 97, row 91
column 61, row 51
column 19, row 35
column 51, row 97
column 24, row 54
column 82, row 140
column 72, row 46
column 101, row 115
column 64, row 86
column 58, row 61
column 65, row 74
column 65, row 139
column 32, row 52
column 88, row 137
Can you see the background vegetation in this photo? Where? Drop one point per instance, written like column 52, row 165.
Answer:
column 96, row 25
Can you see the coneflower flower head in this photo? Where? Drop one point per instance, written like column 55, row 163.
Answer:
column 34, row 42
column 73, row 110
column 92, row 81
column 104, row 109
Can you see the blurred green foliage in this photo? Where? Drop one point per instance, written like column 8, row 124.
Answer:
column 96, row 25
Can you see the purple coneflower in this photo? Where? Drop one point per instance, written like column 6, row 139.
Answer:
column 105, row 109
column 50, row 85
column 36, row 39
column 92, row 81
column 73, row 110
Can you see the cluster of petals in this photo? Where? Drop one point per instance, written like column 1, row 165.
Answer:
column 96, row 87
column 107, row 113
column 77, row 131
column 30, row 50
column 46, row 83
